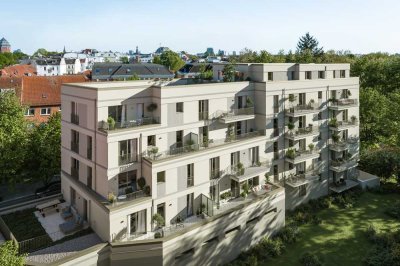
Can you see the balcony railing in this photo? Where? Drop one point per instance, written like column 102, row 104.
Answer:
column 298, row 179
column 341, row 162
column 299, row 132
column 215, row 173
column 75, row 119
column 338, row 146
column 337, row 124
column 154, row 155
column 299, row 109
column 127, row 158
column 236, row 112
column 75, row 172
column 131, row 196
column 343, row 102
column 300, row 155
column 105, row 126
column 75, row 147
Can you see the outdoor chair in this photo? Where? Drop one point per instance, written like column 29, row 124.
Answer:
column 72, row 226
column 66, row 213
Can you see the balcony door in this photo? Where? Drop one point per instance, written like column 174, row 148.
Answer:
column 203, row 109
column 189, row 204
column 302, row 145
column 301, row 168
column 302, row 99
column 214, row 167
column 254, row 155
column 138, row 223
column 235, row 158
column 139, row 111
column 302, row 121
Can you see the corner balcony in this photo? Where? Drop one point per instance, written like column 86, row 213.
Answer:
column 301, row 133
column 236, row 115
column 338, row 146
column 299, row 156
column 154, row 155
column 144, row 121
column 343, row 104
column 342, row 125
column 240, row 173
column 296, row 180
column 301, row 110
column 341, row 164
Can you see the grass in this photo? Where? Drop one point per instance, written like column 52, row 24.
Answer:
column 340, row 239
column 24, row 224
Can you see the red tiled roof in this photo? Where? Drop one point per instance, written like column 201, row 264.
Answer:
column 40, row 91
column 18, row 71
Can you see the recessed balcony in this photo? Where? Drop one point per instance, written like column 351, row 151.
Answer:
column 342, row 104
column 301, row 110
column 342, row 125
column 341, row 164
column 296, row 180
column 110, row 125
column 297, row 156
column 154, row 155
column 300, row 133
column 236, row 115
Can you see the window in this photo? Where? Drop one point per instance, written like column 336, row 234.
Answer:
column 45, row 111
column 74, row 168
column 89, row 181
column 89, row 147
column 291, row 75
column 276, row 103
column 342, row 73
column 321, row 74
column 179, row 138
column 128, row 150
column 302, row 190
column 127, row 182
column 320, row 95
column 270, row 76
column 151, row 140
column 161, row 177
column 334, row 74
column 74, row 141
column 179, row 107
column 190, row 174
column 308, row 74
column 30, row 112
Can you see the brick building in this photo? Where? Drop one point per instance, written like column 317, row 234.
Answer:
column 40, row 94
column 5, row 46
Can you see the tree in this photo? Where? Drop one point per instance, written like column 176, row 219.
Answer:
column 309, row 43
column 205, row 73
column 171, row 60
column 6, row 59
column 124, row 60
column 229, row 73
column 13, row 138
column 133, row 77
column 45, row 150
column 9, row 255
column 44, row 53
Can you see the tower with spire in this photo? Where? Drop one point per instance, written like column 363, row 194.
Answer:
column 5, row 46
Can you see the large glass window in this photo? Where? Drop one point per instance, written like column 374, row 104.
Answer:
column 128, row 151
column 138, row 223
column 115, row 112
column 127, row 182
column 190, row 174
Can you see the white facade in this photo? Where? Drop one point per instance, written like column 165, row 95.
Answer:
column 200, row 144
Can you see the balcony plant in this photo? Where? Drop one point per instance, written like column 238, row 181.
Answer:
column 205, row 141
column 147, row 190
column 152, row 107
column 158, row 220
column 128, row 190
column 190, row 145
column 157, row 235
column 333, row 122
column 335, row 138
column 243, row 195
column 230, row 133
column 290, row 126
column 292, row 98
column 291, row 153
column 111, row 122
column 267, row 178
column 240, row 168
column 111, row 197
column 245, row 187
column 249, row 102
column 311, row 146
column 141, row 182
column 353, row 119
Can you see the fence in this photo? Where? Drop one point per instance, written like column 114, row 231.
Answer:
column 6, row 231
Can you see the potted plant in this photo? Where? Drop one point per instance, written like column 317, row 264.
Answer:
column 335, row 138
column 141, row 182
column 258, row 163
column 205, row 141
column 147, row 190
column 291, row 153
column 152, row 107
column 353, row 119
column 190, row 145
column 243, row 195
column 311, row 147
column 292, row 98
column 310, row 104
column 111, row 123
column 153, row 151
column 158, row 235
column 290, row 126
column 333, row 122
column 158, row 220
column 179, row 219
column 128, row 190
column 249, row 102
column 240, row 168
column 111, row 197
column 267, row 178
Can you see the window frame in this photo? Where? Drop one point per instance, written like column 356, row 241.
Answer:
column 47, row 109
column 160, row 177
column 179, row 107
column 28, row 113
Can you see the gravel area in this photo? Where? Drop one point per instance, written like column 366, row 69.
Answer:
column 60, row 251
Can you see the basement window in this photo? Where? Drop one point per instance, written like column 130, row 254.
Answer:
column 232, row 231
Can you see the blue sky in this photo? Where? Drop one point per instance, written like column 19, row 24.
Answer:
column 359, row 26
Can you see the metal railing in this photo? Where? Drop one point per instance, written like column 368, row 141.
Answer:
column 215, row 173
column 131, row 196
column 206, row 205
column 103, row 125
column 300, row 153
column 127, row 158
column 74, row 119
column 75, row 147
column 338, row 145
column 303, row 131
column 343, row 102
column 241, row 170
column 301, row 108
column 203, row 146
column 343, row 162
column 236, row 112
column 336, row 124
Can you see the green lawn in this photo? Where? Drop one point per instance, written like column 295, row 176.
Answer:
column 340, row 239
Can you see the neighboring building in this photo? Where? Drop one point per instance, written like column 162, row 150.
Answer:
column 40, row 94
column 210, row 51
column 119, row 71
column 5, row 46
column 18, row 71
column 134, row 149
column 192, row 70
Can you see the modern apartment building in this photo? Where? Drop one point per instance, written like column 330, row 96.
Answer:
column 220, row 162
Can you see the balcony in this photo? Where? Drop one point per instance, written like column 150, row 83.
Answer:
column 154, row 155
column 235, row 115
column 75, row 119
column 131, row 195
column 301, row 110
column 341, row 164
column 297, row 156
column 127, row 158
column 338, row 146
column 240, row 173
column 343, row 185
column 296, row 180
column 107, row 126
column 75, row 147
column 301, row 133
column 342, row 125
column 342, row 104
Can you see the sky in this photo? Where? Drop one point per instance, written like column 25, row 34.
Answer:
column 230, row 25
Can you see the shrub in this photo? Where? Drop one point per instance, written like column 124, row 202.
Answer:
column 274, row 247
column 394, row 210
column 371, row 232
column 309, row 259
column 289, row 234
column 158, row 220
column 157, row 235
column 141, row 182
